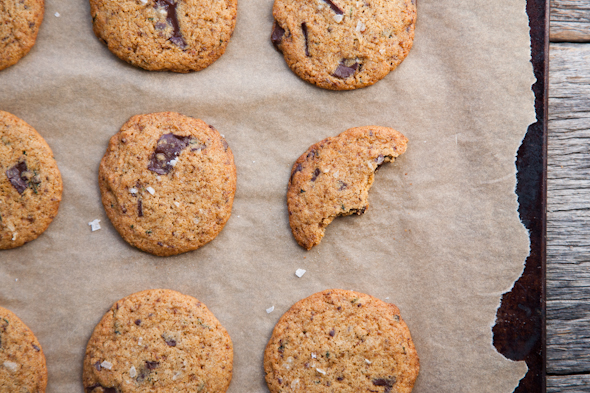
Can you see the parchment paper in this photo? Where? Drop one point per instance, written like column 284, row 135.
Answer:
column 441, row 239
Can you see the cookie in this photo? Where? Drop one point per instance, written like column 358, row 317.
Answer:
column 165, row 35
column 333, row 177
column 158, row 341
column 343, row 44
column 167, row 182
column 341, row 341
column 30, row 183
column 22, row 362
column 19, row 24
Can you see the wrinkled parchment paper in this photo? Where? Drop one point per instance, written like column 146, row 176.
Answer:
column 441, row 239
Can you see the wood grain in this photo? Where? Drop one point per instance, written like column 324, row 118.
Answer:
column 570, row 20
column 568, row 218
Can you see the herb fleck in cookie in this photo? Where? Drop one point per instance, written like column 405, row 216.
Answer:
column 158, row 341
column 343, row 44
column 341, row 341
column 333, row 177
column 167, row 182
column 19, row 24
column 22, row 362
column 165, row 35
column 30, row 183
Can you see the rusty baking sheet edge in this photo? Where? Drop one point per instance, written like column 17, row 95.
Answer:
column 519, row 333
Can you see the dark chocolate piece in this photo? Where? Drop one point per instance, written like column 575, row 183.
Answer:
column 334, row 7
column 316, row 173
column 332, row 333
column 388, row 383
column 16, row 178
column 139, row 208
column 172, row 18
column 152, row 365
column 169, row 340
column 138, row 322
column 277, row 35
column 343, row 71
column 168, row 148
column 304, row 29
column 90, row 389
column 298, row 168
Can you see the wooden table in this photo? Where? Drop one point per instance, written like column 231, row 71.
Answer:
column 568, row 199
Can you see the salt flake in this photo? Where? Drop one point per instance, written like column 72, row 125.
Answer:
column 107, row 365
column 133, row 190
column 132, row 372
column 150, row 190
column 11, row 366
column 14, row 236
column 270, row 309
column 177, row 204
column 360, row 26
column 338, row 18
column 300, row 272
column 368, row 361
column 174, row 162
column 319, row 370
column 144, row 1
column 176, row 375
column 313, row 355
column 94, row 225
column 57, row 15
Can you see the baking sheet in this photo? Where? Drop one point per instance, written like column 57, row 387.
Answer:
column 441, row 239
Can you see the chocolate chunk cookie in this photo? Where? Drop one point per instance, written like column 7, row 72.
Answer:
column 165, row 35
column 167, row 182
column 30, row 183
column 333, row 177
column 343, row 44
column 341, row 341
column 158, row 341
column 19, row 24
column 22, row 362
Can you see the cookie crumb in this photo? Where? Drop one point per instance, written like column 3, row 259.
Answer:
column 150, row 190
column 132, row 372
column 94, row 225
column 107, row 365
column 11, row 366
column 57, row 15
column 270, row 309
column 300, row 272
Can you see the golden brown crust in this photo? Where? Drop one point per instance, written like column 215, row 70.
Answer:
column 19, row 26
column 333, row 177
column 22, row 362
column 158, row 341
column 341, row 341
column 29, row 199
column 165, row 35
column 343, row 44
column 175, row 212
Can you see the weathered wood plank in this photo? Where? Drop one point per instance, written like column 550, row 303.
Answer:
column 568, row 384
column 568, row 215
column 570, row 20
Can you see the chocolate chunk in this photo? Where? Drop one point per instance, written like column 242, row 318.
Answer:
column 332, row 333
column 16, row 177
column 388, row 383
column 138, row 322
column 139, row 208
column 343, row 71
column 97, row 366
column 304, row 29
column 340, row 378
column 313, row 153
column 90, row 389
column 169, row 146
column 277, row 35
column 343, row 185
column 224, row 143
column 151, row 365
column 297, row 169
column 316, row 173
column 334, row 7
column 36, row 348
column 172, row 18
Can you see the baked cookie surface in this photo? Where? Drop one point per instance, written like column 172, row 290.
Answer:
column 19, row 24
column 158, row 341
column 22, row 362
column 165, row 35
column 341, row 341
column 30, row 183
column 333, row 177
column 167, row 182
column 343, row 44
